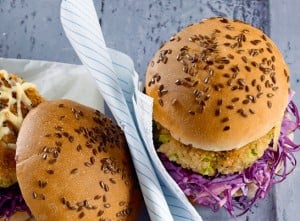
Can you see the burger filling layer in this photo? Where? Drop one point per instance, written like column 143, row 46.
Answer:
column 210, row 162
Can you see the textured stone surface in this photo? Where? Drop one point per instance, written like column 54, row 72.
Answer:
column 285, row 31
column 138, row 28
column 31, row 29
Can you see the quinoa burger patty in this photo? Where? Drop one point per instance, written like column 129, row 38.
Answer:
column 211, row 162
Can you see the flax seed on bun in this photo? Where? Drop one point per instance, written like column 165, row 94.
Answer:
column 218, row 85
column 73, row 163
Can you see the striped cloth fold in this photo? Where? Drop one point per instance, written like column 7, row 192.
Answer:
column 118, row 84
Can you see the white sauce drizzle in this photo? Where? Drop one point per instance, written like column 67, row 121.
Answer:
column 6, row 93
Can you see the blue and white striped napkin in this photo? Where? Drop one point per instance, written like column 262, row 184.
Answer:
column 119, row 85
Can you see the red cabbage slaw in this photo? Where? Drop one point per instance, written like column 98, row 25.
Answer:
column 219, row 191
column 11, row 201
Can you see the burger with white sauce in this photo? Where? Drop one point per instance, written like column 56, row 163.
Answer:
column 61, row 160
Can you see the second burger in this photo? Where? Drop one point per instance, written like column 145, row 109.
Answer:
column 221, row 92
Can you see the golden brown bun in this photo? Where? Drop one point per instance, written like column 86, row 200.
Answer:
column 17, row 98
column 73, row 164
column 218, row 85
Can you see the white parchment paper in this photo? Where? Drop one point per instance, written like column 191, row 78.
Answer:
column 163, row 198
column 57, row 80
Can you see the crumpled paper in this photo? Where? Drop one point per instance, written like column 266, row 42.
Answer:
column 57, row 80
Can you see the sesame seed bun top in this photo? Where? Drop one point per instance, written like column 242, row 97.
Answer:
column 218, row 84
column 73, row 163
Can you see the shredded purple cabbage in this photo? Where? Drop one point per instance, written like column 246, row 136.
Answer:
column 11, row 201
column 220, row 190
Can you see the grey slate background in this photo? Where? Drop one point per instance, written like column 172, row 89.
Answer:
column 31, row 29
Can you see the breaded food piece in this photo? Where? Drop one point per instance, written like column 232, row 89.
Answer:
column 17, row 98
column 211, row 162
column 7, row 166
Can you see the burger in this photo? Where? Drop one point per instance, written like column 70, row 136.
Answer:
column 17, row 98
column 61, row 160
column 223, row 113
